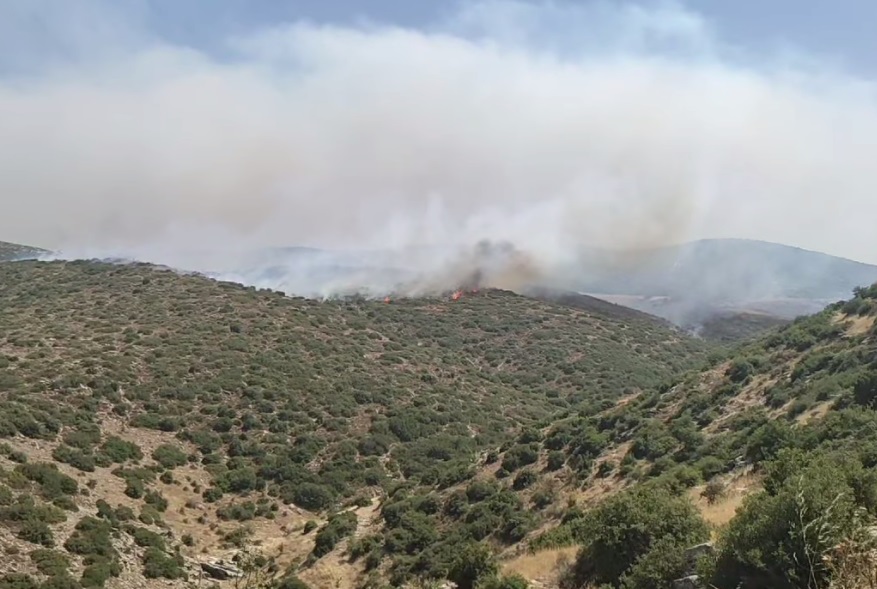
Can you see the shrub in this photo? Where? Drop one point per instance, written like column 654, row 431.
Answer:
column 159, row 565
column 292, row 582
column 809, row 506
column 75, row 458
column 53, row 483
column 119, row 451
column 50, row 562
column 99, row 571
column 556, row 460
column 338, row 527
column 713, row 491
column 18, row 581
column 524, row 479
column 312, row 496
column 36, row 532
column 520, row 455
column 91, row 537
column 628, row 526
column 169, row 456
column 740, row 370
column 474, row 562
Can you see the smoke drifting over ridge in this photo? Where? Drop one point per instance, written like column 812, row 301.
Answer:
column 546, row 127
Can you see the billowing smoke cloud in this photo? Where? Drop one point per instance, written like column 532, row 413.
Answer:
column 545, row 127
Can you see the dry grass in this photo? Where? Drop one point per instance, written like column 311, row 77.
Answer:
column 814, row 413
column 737, row 488
column 543, row 567
column 856, row 325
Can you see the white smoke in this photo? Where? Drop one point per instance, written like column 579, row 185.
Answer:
column 540, row 125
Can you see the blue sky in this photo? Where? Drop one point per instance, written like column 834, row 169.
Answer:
column 400, row 124
column 840, row 31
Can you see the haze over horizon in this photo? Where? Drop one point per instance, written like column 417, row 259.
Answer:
column 144, row 129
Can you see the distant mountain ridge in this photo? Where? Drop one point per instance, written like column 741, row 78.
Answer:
column 697, row 280
column 689, row 284
column 759, row 269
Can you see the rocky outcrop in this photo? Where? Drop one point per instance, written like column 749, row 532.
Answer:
column 220, row 570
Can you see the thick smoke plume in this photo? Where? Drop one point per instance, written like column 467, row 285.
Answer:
column 544, row 127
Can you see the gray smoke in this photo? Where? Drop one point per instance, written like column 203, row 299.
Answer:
column 397, row 151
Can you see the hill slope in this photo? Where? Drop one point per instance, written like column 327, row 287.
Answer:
column 731, row 270
column 691, row 283
column 154, row 419
column 14, row 251
column 770, row 444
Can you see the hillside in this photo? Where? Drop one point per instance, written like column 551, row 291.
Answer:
column 772, row 449
column 14, row 251
column 728, row 270
column 155, row 420
column 693, row 282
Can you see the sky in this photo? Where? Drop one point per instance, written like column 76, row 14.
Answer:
column 158, row 125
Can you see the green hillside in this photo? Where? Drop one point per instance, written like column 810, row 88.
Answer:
column 155, row 419
column 775, row 445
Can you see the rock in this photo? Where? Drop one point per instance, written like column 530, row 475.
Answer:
column 690, row 582
column 220, row 571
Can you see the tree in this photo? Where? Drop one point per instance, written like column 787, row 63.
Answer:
column 629, row 526
column 779, row 537
column 865, row 389
column 713, row 491
column 474, row 562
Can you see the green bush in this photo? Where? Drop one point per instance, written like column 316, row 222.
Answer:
column 474, row 562
column 50, row 562
column 524, row 479
column 312, row 497
column 74, row 457
column 169, row 456
column 61, row 582
column 92, row 537
column 809, row 505
column 18, row 581
column 120, row 451
column 504, row 582
column 338, row 527
column 53, row 483
column 146, row 538
column 36, row 532
column 99, row 571
column 292, row 582
column 626, row 528
column 159, row 565
column 520, row 455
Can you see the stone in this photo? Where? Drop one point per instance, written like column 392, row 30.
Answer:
column 220, row 571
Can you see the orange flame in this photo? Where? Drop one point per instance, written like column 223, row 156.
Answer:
column 386, row 299
column 456, row 295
